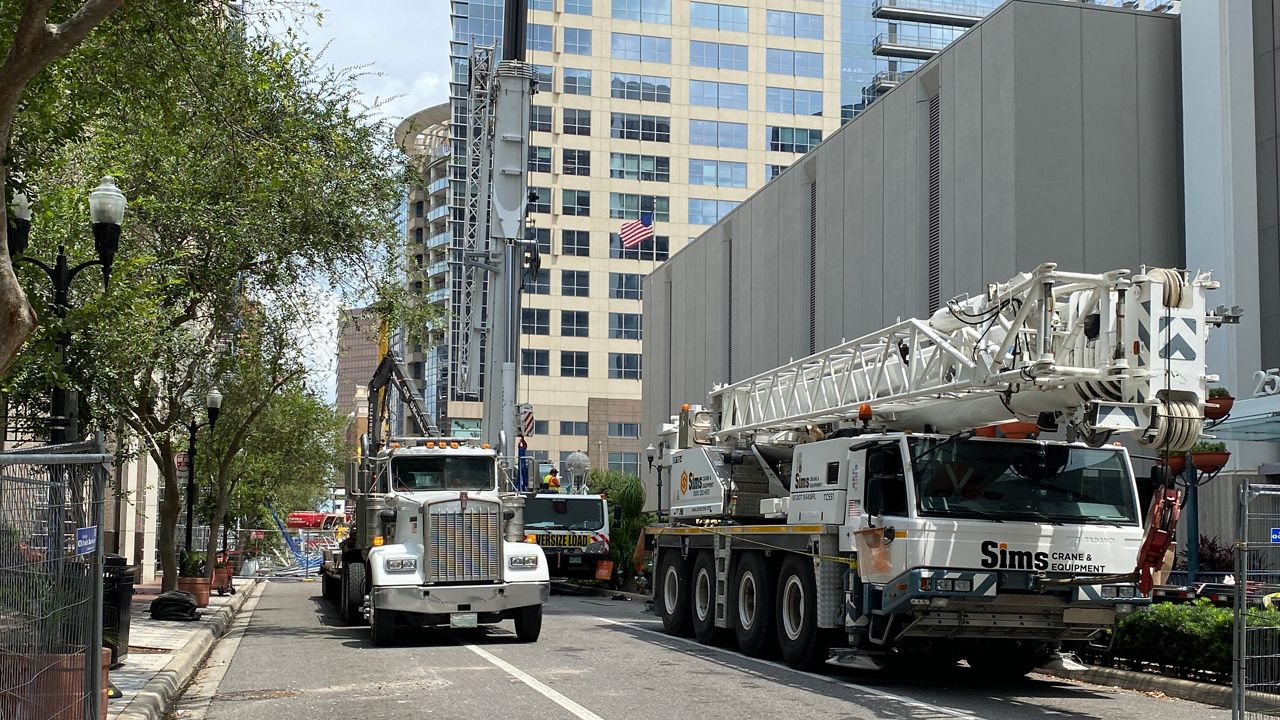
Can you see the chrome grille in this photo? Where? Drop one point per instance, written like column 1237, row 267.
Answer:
column 464, row 545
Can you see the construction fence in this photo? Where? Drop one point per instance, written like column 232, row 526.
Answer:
column 51, row 659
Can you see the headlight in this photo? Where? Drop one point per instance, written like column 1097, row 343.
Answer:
column 597, row 547
column 401, row 564
column 964, row 586
column 522, row 562
column 1127, row 591
column 945, row 585
column 1109, row 591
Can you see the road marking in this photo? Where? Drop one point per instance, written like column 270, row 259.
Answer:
column 580, row 712
column 949, row 712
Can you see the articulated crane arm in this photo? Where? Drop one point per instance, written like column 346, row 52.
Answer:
column 391, row 371
column 1102, row 353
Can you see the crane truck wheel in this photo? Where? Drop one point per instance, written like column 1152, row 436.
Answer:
column 752, row 606
column 352, row 593
column 804, row 646
column 529, row 623
column 673, row 593
column 702, row 598
column 382, row 626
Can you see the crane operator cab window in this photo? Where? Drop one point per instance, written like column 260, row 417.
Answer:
column 886, row 482
column 430, row 474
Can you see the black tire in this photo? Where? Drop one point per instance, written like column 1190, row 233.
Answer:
column 529, row 623
column 1003, row 661
column 702, row 598
column 803, row 644
column 672, row 594
column 353, row 593
column 751, row 606
column 382, row 626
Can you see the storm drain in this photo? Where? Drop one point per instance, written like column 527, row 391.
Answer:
column 256, row 695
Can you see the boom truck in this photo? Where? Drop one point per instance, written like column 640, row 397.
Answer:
column 890, row 500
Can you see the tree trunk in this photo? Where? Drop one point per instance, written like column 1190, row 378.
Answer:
column 166, row 535
column 215, row 526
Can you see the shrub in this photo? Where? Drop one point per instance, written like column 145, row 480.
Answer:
column 1205, row 446
column 1219, row 392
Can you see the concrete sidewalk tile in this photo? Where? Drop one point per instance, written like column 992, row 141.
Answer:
column 169, row 653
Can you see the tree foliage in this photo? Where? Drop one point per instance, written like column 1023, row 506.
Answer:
column 625, row 494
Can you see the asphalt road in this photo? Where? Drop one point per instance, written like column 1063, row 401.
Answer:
column 596, row 659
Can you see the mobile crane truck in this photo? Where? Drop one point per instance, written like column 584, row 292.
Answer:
column 434, row 542
column 888, row 501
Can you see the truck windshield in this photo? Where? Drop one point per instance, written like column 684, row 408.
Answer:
column 998, row 480
column 423, row 474
column 543, row 513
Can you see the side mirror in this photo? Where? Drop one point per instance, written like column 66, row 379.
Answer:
column 875, row 494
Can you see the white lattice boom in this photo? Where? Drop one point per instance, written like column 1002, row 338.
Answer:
column 1103, row 353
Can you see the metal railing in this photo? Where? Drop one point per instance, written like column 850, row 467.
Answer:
column 921, row 42
column 51, row 656
column 1255, row 677
column 938, row 7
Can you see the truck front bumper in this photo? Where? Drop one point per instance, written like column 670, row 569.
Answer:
column 443, row 600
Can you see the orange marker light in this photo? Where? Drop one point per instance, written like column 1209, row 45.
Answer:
column 685, row 407
column 431, row 444
column 454, row 445
column 531, row 538
column 378, row 541
column 485, row 446
column 864, row 412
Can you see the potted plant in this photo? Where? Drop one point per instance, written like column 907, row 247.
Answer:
column 191, row 577
column 222, row 574
column 1209, row 457
column 1220, row 403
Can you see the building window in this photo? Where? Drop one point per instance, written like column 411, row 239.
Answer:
column 793, row 62
column 709, row 212
column 577, row 122
column 629, row 206
column 718, row 17
column 541, row 199
column 539, row 158
column 534, row 321
column 541, row 236
column 718, row 134
column 641, row 47
column 576, row 162
column 540, row 118
column 651, row 88
column 575, row 202
column 538, row 37
column 540, row 5
column 577, row 82
column 541, row 427
column 573, row 427
column 717, row 173
column 724, row 56
column 577, row 7
column 624, row 326
column 624, row 430
column 655, row 249
column 730, row 96
column 577, row 41
column 623, row 366
column 625, row 166
column 574, row 323
column 792, row 140
column 652, row 11
column 417, row 235
column 573, row 363
column 539, row 284
column 633, row 126
column 535, row 362
column 540, row 456
column 544, row 76
column 419, row 208
column 773, row 171
column 625, row 462
column 575, row 283
column 789, row 24
column 575, row 242
column 790, row 101
column 625, row 286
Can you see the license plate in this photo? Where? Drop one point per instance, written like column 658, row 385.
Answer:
column 463, row 620
column 575, row 559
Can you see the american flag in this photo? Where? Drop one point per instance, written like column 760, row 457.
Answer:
column 637, row 231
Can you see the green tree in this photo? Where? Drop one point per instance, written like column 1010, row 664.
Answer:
column 625, row 494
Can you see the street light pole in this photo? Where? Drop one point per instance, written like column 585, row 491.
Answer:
column 106, row 209
column 213, row 405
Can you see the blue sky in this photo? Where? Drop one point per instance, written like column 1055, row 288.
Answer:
column 401, row 48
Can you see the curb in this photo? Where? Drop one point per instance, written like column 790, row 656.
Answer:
column 161, row 691
column 1206, row 693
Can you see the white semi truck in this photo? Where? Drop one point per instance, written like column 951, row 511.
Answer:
column 889, row 500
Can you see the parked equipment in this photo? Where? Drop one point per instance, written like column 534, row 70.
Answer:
column 889, row 500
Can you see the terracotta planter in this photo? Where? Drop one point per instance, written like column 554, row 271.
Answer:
column 1218, row 408
column 50, row 686
column 1209, row 461
column 222, row 579
column 1176, row 464
column 198, row 587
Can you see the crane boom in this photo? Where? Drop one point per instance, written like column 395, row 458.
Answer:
column 1109, row 352
column 390, row 371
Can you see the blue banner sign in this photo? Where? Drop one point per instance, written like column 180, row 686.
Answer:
column 87, row 540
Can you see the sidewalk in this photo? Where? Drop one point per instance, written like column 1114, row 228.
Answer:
column 165, row 655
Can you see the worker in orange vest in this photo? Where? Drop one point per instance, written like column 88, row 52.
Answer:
column 551, row 483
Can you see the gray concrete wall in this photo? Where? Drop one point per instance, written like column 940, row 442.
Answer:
column 1266, row 42
column 1060, row 142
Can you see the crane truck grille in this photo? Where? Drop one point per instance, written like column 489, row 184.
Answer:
column 464, row 543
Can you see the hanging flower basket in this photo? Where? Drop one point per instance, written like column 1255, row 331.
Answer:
column 1175, row 463
column 1210, row 462
column 1219, row 404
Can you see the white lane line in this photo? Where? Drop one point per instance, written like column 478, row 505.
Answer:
column 949, row 712
column 578, row 711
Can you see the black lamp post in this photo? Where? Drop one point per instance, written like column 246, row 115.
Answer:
column 106, row 209
column 212, row 405
column 650, row 453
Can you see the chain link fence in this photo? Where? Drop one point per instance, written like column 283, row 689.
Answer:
column 1255, row 678
column 51, row 657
